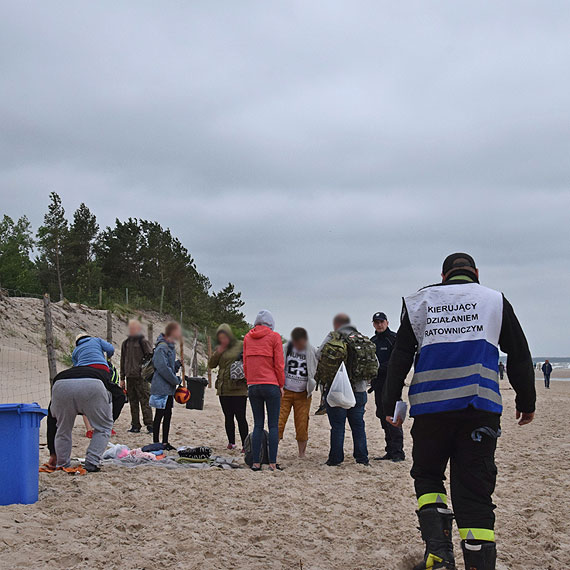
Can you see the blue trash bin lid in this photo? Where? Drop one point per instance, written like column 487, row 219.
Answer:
column 23, row 408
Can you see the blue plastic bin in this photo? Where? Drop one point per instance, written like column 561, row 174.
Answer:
column 19, row 452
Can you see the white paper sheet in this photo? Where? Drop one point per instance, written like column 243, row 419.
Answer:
column 400, row 410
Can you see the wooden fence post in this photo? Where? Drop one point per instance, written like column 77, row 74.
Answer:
column 109, row 326
column 52, row 367
column 209, row 356
column 100, row 296
column 150, row 334
column 161, row 299
column 127, row 295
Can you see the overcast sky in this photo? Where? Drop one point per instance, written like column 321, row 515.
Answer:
column 323, row 156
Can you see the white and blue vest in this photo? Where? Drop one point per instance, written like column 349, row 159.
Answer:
column 457, row 328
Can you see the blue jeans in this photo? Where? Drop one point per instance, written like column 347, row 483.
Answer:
column 355, row 417
column 263, row 396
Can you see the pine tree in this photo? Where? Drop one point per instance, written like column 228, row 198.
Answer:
column 16, row 242
column 51, row 239
column 79, row 259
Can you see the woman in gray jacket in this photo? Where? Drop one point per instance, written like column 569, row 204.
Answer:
column 164, row 381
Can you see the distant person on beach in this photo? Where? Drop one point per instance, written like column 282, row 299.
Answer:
column 384, row 340
column 264, row 369
column 134, row 348
column 547, row 371
column 165, row 381
column 300, row 368
column 346, row 344
column 501, row 371
column 451, row 332
column 90, row 351
column 231, row 391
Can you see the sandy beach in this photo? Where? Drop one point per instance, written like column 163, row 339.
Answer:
column 308, row 516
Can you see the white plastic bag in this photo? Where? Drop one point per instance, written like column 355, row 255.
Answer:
column 114, row 450
column 340, row 394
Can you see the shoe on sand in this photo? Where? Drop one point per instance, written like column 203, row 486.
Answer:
column 90, row 468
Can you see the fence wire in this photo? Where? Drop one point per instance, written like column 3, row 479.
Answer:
column 24, row 372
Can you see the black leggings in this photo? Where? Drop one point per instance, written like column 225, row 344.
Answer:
column 159, row 415
column 234, row 407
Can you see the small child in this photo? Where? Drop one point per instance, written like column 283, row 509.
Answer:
column 165, row 381
column 90, row 351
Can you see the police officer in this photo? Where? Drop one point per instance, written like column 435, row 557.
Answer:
column 384, row 340
column 454, row 331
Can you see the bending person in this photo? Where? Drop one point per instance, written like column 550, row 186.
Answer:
column 80, row 390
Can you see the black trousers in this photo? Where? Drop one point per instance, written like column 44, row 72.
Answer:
column 235, row 407
column 394, row 436
column 452, row 437
column 163, row 416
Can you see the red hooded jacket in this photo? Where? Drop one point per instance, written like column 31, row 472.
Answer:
column 263, row 357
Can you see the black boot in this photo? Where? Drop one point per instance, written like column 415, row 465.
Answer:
column 479, row 556
column 435, row 526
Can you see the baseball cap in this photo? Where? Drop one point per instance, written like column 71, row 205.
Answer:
column 379, row 316
column 458, row 261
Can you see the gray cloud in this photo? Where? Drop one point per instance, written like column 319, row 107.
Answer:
column 323, row 156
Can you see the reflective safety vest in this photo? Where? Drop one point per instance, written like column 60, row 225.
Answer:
column 457, row 328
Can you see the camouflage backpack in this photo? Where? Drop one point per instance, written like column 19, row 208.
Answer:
column 332, row 354
column 361, row 363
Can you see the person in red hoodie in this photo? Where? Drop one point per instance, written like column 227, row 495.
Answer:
column 265, row 373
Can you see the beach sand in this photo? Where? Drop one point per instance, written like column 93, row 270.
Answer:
column 308, row 516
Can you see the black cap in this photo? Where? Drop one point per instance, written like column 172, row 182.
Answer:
column 380, row 316
column 458, row 262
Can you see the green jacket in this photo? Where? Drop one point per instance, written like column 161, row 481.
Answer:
column 225, row 386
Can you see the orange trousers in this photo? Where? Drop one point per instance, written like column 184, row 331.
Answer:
column 301, row 407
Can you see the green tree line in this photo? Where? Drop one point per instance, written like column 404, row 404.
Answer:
column 72, row 259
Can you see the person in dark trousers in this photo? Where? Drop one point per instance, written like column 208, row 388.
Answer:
column 164, row 381
column 501, row 371
column 335, row 343
column 547, row 371
column 384, row 340
column 133, row 349
column 452, row 332
column 232, row 392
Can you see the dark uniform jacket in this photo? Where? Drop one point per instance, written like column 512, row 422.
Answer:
column 384, row 344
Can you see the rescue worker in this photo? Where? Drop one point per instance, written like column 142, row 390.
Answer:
column 454, row 331
column 384, row 340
